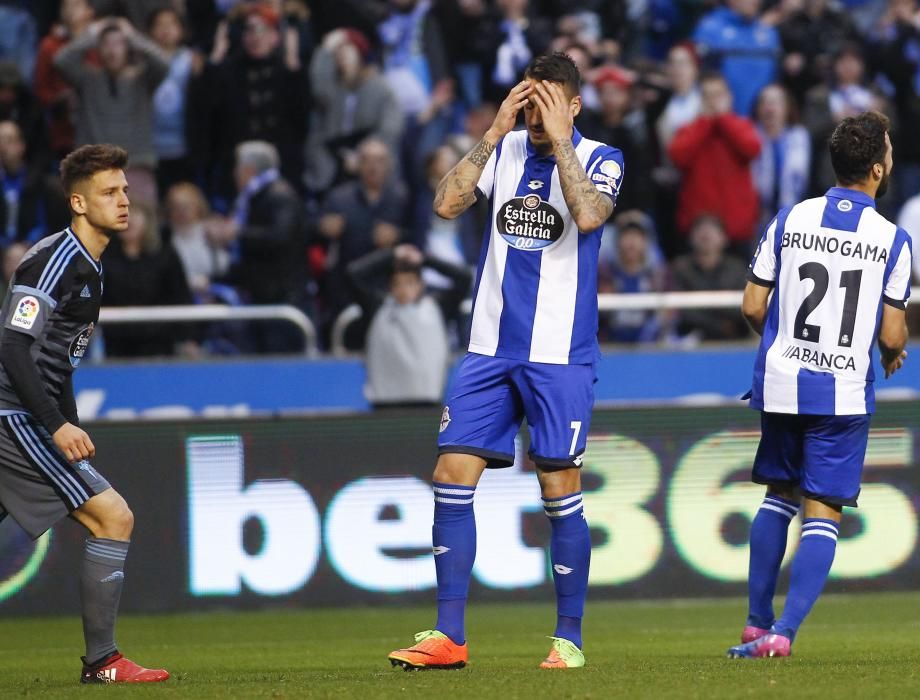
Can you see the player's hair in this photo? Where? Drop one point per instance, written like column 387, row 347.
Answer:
column 88, row 160
column 857, row 144
column 556, row 67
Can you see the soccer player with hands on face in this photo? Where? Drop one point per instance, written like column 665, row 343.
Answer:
column 533, row 346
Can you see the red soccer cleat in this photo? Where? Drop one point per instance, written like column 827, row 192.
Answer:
column 117, row 669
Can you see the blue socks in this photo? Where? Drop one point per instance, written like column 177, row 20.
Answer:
column 453, row 537
column 570, row 554
column 769, row 532
column 810, row 568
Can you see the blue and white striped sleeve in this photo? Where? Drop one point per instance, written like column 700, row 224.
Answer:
column 897, row 282
column 605, row 170
column 762, row 269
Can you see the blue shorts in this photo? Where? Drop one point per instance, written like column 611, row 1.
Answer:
column 823, row 455
column 491, row 396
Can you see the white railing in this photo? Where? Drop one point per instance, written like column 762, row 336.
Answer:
column 214, row 312
column 605, row 302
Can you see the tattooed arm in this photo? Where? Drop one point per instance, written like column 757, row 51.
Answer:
column 457, row 190
column 589, row 206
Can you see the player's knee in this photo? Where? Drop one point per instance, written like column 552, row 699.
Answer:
column 555, row 484
column 458, row 469
column 117, row 520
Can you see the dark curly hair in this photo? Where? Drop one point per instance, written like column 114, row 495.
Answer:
column 88, row 160
column 857, row 144
column 556, row 68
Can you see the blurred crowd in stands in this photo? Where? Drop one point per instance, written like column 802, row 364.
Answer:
column 287, row 151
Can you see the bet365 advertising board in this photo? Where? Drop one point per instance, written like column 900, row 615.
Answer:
column 337, row 510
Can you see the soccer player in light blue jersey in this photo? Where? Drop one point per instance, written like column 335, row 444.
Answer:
column 840, row 276
column 533, row 345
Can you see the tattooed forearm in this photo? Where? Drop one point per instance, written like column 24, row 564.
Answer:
column 590, row 208
column 456, row 191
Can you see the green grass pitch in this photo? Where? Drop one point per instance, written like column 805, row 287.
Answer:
column 859, row 646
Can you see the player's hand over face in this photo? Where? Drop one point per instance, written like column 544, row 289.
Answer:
column 74, row 443
column 555, row 110
column 507, row 113
column 895, row 364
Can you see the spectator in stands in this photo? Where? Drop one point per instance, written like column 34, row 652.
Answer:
column 407, row 343
column 619, row 124
column 674, row 100
column 736, row 41
column 844, row 95
column 17, row 104
column 170, row 98
column 909, row 220
column 12, row 256
column 633, row 271
column 267, row 234
column 115, row 104
column 362, row 216
column 18, row 39
column 52, row 90
column 256, row 94
column 140, row 271
column 351, row 102
column 897, row 56
column 811, row 33
column 198, row 240
column 32, row 203
column 517, row 34
column 781, row 171
column 468, row 43
column 455, row 241
column 714, row 155
column 707, row 268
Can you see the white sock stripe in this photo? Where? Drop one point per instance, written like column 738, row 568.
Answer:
column 454, row 491
column 561, row 513
column 563, row 502
column 775, row 509
column 782, row 504
column 820, row 526
column 456, row 501
column 823, row 533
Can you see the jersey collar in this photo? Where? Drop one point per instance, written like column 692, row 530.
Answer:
column 83, row 249
column 852, row 195
column 532, row 152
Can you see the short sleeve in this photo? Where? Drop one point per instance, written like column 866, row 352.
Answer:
column 762, row 269
column 33, row 295
column 897, row 282
column 487, row 179
column 605, row 170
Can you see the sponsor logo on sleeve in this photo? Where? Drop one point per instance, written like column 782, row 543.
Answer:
column 25, row 314
column 607, row 178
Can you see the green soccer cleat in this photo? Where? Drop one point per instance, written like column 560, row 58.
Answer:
column 563, row 654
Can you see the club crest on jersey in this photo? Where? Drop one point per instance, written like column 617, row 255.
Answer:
column 529, row 223
column 845, row 205
column 80, row 343
column 25, row 314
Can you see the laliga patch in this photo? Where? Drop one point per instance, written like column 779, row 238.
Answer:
column 612, row 169
column 25, row 314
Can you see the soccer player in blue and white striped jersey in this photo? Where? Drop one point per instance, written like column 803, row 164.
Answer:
column 533, row 344
column 840, row 279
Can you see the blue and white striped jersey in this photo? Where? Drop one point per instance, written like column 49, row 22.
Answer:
column 833, row 261
column 536, row 290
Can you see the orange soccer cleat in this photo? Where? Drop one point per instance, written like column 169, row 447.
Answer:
column 117, row 669
column 432, row 650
